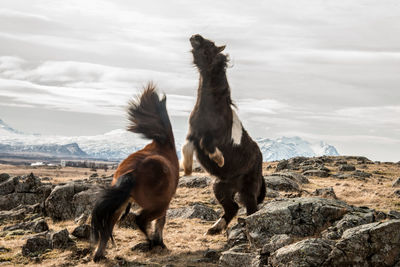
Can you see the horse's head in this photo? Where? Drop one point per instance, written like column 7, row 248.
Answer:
column 206, row 55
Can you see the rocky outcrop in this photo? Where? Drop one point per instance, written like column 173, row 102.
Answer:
column 70, row 200
column 327, row 192
column 281, row 183
column 347, row 168
column 298, row 217
column 36, row 245
column 308, row 252
column 82, row 231
column 198, row 210
column 282, row 233
column 22, row 190
column 317, row 173
column 373, row 244
column 194, row 181
column 297, row 177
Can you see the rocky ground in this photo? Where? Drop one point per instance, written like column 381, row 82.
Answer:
column 325, row 211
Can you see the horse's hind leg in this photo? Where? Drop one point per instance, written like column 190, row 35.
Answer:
column 224, row 194
column 157, row 239
column 144, row 218
column 250, row 188
column 187, row 152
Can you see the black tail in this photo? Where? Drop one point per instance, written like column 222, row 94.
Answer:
column 110, row 201
column 262, row 193
column 148, row 115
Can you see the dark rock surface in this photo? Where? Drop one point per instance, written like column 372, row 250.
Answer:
column 317, row 173
column 347, row 168
column 60, row 239
column 298, row 217
column 82, row 231
column 297, row 177
column 281, row 183
column 327, row 192
column 36, row 245
column 308, row 252
column 60, row 205
column 194, row 181
column 198, row 210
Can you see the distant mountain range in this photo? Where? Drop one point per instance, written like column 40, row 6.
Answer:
column 117, row 144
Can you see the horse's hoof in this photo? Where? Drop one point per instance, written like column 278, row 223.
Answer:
column 142, row 247
column 98, row 258
column 187, row 172
column 217, row 227
column 213, row 231
column 156, row 243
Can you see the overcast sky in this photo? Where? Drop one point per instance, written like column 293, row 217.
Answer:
column 322, row 70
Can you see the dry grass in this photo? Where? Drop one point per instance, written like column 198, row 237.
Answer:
column 58, row 174
column 184, row 237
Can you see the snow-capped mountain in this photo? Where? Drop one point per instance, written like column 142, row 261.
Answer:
column 68, row 150
column 289, row 147
column 118, row 144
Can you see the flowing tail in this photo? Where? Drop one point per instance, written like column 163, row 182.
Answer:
column 107, row 210
column 149, row 117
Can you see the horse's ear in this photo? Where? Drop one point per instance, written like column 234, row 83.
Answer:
column 221, row 48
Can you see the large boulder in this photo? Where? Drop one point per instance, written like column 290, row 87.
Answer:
column 308, row 252
column 348, row 221
column 198, row 210
column 8, row 186
column 347, row 167
column 235, row 258
column 60, row 239
column 374, row 244
column 59, row 205
column 281, row 183
column 36, row 245
column 236, row 234
column 297, row 177
column 83, row 202
column 299, row 217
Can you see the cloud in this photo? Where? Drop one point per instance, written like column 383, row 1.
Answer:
column 328, row 68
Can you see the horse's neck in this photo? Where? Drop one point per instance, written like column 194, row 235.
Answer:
column 213, row 88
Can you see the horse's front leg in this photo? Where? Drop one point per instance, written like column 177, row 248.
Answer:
column 207, row 143
column 187, row 153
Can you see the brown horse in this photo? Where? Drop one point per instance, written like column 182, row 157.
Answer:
column 221, row 143
column 148, row 177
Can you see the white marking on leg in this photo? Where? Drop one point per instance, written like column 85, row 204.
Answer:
column 236, row 129
column 187, row 152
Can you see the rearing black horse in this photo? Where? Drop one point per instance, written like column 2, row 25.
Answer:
column 222, row 145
